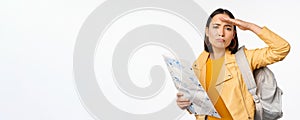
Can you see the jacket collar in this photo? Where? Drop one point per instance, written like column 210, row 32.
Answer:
column 201, row 61
column 199, row 67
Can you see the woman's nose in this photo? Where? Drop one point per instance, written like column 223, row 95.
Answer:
column 221, row 32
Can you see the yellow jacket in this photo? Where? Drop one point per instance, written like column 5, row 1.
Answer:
column 230, row 85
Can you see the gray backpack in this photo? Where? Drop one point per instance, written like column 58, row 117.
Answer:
column 263, row 87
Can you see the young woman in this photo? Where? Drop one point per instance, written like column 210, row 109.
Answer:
column 217, row 70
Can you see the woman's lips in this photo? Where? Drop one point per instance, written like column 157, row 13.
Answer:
column 220, row 40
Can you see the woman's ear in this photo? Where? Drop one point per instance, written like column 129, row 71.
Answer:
column 234, row 34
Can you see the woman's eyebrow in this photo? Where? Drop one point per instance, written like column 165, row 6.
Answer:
column 218, row 24
column 228, row 25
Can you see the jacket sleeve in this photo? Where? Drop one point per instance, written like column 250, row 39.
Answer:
column 277, row 50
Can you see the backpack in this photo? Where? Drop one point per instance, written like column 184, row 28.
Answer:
column 263, row 87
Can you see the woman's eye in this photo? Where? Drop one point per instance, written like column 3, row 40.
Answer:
column 229, row 29
column 215, row 26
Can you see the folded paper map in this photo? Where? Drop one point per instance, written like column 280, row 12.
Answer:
column 186, row 82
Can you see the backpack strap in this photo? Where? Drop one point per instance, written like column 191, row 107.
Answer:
column 245, row 70
column 248, row 79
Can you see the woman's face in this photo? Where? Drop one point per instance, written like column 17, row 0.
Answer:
column 220, row 33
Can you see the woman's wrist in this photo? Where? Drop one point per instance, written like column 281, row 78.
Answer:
column 255, row 28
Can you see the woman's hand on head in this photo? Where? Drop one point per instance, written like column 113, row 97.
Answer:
column 182, row 103
column 243, row 25
column 239, row 23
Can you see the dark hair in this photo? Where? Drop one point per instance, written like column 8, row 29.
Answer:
column 234, row 44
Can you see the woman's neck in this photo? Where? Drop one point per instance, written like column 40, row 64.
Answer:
column 217, row 53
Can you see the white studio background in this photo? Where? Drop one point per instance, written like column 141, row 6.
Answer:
column 37, row 39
